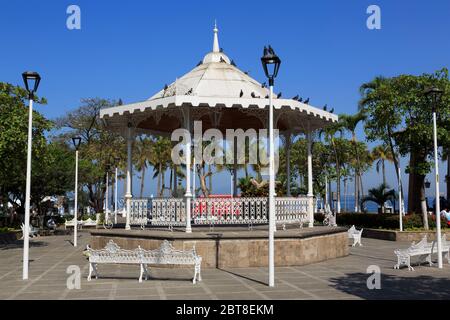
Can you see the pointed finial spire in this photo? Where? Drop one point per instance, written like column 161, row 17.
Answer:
column 216, row 47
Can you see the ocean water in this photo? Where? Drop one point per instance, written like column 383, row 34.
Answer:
column 348, row 205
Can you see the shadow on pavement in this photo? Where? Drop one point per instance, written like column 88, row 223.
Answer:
column 242, row 276
column 394, row 287
column 19, row 244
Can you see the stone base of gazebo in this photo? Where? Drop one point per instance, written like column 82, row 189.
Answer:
column 237, row 247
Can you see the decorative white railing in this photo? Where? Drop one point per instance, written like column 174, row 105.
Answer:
column 221, row 211
column 291, row 210
column 168, row 212
column 140, row 209
column 230, row 210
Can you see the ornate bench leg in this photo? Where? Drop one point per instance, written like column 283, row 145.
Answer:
column 355, row 241
column 194, row 280
column 199, row 272
column 89, row 278
column 408, row 263
column 143, row 272
column 428, row 259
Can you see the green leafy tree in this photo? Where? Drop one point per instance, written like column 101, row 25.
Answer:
column 399, row 114
column 349, row 123
column 380, row 195
column 99, row 147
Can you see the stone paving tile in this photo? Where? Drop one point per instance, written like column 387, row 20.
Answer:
column 343, row 278
column 139, row 297
column 188, row 297
column 238, row 296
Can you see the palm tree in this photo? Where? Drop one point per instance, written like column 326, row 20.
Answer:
column 381, row 154
column 141, row 158
column 350, row 122
column 160, row 157
column 330, row 137
column 380, row 195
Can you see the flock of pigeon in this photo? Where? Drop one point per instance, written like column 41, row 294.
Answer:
column 263, row 85
column 279, row 95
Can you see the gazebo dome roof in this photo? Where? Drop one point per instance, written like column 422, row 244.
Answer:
column 221, row 96
column 216, row 76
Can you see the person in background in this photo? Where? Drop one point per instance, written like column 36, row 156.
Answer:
column 446, row 214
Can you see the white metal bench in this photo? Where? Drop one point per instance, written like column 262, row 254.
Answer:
column 165, row 255
column 424, row 250
column 89, row 223
column 33, row 232
column 355, row 235
column 71, row 223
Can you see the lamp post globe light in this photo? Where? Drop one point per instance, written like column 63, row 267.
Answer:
column 434, row 94
column 31, row 80
column 76, row 143
column 271, row 64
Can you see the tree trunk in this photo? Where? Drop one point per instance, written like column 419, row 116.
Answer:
column 338, row 191
column 163, row 181
column 158, row 186
column 357, row 174
column 141, row 193
column 424, row 207
column 345, row 195
column 384, row 172
column 210, row 178
column 357, row 209
column 330, row 195
column 396, row 162
column 361, row 186
column 175, row 181
column 202, row 178
column 170, row 179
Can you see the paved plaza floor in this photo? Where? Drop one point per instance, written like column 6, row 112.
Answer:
column 343, row 278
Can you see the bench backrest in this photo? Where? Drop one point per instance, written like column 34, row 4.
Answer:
column 166, row 254
column 353, row 230
column 112, row 253
column 421, row 246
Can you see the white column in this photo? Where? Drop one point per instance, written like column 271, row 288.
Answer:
column 194, row 171
column 235, row 150
column 438, row 202
column 107, row 197
column 129, row 195
column 75, row 228
column 288, row 163
column 310, row 180
column 326, row 193
column 26, row 231
column 188, row 194
column 271, row 194
column 115, row 195
column 400, row 204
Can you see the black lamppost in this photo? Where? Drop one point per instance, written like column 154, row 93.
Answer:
column 31, row 80
column 434, row 94
column 271, row 64
column 76, row 143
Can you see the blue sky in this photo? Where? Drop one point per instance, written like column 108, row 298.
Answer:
column 129, row 50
